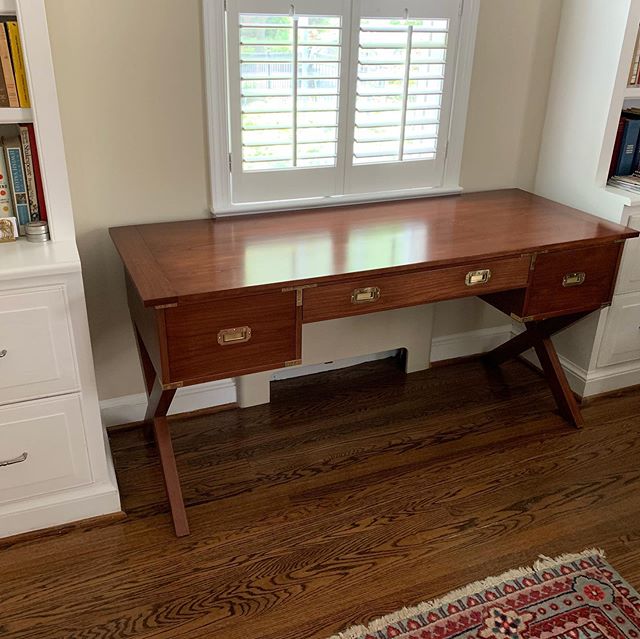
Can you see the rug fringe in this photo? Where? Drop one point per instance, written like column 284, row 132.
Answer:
column 543, row 563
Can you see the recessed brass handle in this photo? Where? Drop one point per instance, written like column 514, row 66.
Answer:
column 365, row 295
column 573, row 279
column 237, row 335
column 477, row 277
column 16, row 460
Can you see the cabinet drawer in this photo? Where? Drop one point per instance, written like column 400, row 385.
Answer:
column 576, row 280
column 42, row 448
column 378, row 293
column 629, row 278
column 234, row 337
column 621, row 341
column 35, row 344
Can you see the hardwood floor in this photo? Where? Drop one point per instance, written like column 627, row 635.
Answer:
column 352, row 494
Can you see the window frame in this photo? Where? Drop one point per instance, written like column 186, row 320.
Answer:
column 217, row 92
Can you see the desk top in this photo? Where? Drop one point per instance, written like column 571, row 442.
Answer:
column 206, row 259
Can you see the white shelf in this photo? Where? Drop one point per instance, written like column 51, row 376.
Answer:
column 15, row 116
column 632, row 93
column 629, row 197
column 27, row 259
column 7, row 7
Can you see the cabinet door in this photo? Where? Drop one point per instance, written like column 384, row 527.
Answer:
column 36, row 351
column 42, row 448
column 621, row 341
column 629, row 278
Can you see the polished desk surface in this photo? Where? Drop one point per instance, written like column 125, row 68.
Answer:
column 209, row 259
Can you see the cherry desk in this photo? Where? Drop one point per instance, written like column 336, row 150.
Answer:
column 212, row 299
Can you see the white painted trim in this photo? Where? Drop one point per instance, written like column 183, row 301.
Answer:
column 131, row 408
column 469, row 343
column 216, row 87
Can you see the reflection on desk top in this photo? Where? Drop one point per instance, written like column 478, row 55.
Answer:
column 203, row 259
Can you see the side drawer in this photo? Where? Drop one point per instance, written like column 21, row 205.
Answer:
column 42, row 448
column 621, row 341
column 379, row 293
column 577, row 280
column 36, row 353
column 211, row 340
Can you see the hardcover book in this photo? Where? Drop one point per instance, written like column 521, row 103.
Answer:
column 15, row 166
column 628, row 148
column 42, row 206
column 29, row 174
column 7, row 69
column 18, row 64
column 6, row 206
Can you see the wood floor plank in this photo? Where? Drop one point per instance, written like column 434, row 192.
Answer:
column 352, row 494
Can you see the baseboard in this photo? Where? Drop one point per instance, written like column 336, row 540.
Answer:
column 59, row 508
column 131, row 408
column 470, row 343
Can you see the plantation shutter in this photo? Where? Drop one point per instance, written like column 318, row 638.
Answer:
column 404, row 56
column 286, row 75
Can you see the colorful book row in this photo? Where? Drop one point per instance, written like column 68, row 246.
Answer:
column 21, row 192
column 13, row 79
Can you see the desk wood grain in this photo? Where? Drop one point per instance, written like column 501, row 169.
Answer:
column 209, row 259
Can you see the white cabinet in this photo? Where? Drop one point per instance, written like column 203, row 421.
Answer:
column 36, row 353
column 621, row 341
column 629, row 276
column 42, row 448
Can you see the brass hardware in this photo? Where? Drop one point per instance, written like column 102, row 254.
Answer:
column 172, row 386
column 298, row 290
column 234, row 335
column 522, row 320
column 477, row 277
column 573, row 279
column 16, row 460
column 293, row 362
column 365, row 295
column 161, row 306
column 532, row 266
column 3, row 352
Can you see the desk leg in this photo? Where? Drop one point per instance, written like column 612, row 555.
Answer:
column 538, row 336
column 159, row 403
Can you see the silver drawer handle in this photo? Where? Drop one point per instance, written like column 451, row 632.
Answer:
column 3, row 352
column 15, row 460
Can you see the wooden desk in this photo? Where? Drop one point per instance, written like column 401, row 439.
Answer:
column 215, row 299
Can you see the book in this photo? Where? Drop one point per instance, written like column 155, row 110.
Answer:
column 29, row 174
column 15, row 167
column 19, row 71
column 635, row 63
column 616, row 148
column 627, row 153
column 4, row 94
column 37, row 173
column 6, row 206
column 7, row 69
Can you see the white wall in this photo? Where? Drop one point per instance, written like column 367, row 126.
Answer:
column 130, row 82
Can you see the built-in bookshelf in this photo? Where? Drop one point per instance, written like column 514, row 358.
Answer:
column 56, row 464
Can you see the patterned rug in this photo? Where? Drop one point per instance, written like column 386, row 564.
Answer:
column 572, row 597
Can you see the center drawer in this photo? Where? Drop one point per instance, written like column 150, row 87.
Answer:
column 373, row 293
column 236, row 336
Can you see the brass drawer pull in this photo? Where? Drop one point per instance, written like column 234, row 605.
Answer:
column 573, row 279
column 365, row 295
column 238, row 335
column 477, row 277
column 17, row 460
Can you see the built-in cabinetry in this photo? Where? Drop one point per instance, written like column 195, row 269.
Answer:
column 54, row 460
column 594, row 52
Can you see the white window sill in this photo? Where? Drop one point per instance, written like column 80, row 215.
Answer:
column 323, row 202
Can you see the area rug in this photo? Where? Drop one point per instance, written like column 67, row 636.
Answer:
column 571, row 597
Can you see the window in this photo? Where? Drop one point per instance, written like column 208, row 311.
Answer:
column 323, row 101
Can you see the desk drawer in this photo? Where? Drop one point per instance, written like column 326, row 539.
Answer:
column 233, row 337
column 379, row 293
column 577, row 280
